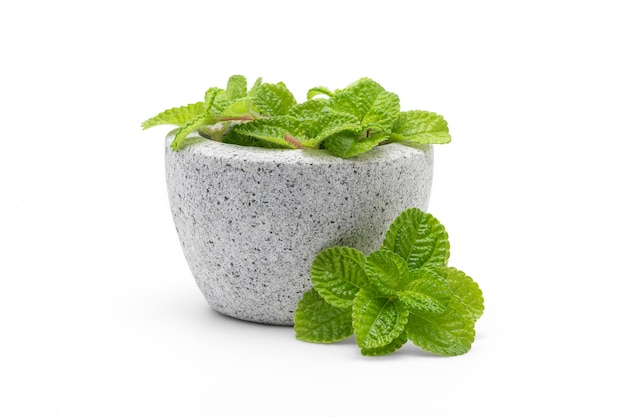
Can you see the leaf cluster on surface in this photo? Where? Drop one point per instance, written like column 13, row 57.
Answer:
column 404, row 291
column 346, row 122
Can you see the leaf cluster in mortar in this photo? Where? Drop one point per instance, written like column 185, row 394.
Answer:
column 346, row 122
column 404, row 291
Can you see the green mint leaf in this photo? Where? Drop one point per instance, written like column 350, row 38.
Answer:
column 257, row 84
column 347, row 144
column 420, row 127
column 209, row 96
column 467, row 298
column 377, row 320
column 337, row 275
column 452, row 332
column 428, row 293
column 316, row 91
column 387, row 272
column 418, row 238
column 395, row 344
column 272, row 99
column 373, row 106
column 308, row 112
column 447, row 334
column 241, row 109
column 233, row 137
column 284, row 131
column 329, row 124
column 177, row 116
column 317, row 321
column 236, row 88
column 318, row 123
column 180, row 140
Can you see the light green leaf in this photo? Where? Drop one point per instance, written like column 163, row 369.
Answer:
column 317, row 321
column 418, row 238
column 446, row 334
column 467, row 297
column 420, row 127
column 319, row 123
column 272, row 99
column 308, row 112
column 180, row 139
column 279, row 130
column 178, row 116
column 240, row 108
column 387, row 272
column 209, row 96
column 236, row 89
column 331, row 123
column 427, row 293
column 377, row 320
column 316, row 91
column 257, row 84
column 373, row 106
column 337, row 274
column 347, row 144
column 452, row 332
column 395, row 344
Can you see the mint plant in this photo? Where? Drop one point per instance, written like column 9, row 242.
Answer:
column 346, row 122
column 404, row 291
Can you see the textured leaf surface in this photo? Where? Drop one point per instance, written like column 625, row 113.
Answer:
column 369, row 102
column 308, row 112
column 317, row 321
column 377, row 321
column 467, row 298
column 347, row 144
column 452, row 332
column 210, row 94
column 330, row 123
column 337, row 274
column 316, row 91
column 427, row 293
column 387, row 272
column 179, row 141
column 418, row 238
column 272, row 99
column 235, row 90
column 396, row 344
column 178, row 116
column 446, row 334
column 421, row 127
column 273, row 130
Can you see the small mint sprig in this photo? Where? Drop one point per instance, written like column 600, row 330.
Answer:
column 221, row 109
column 346, row 122
column 404, row 291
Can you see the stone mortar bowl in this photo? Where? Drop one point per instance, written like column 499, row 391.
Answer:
column 251, row 220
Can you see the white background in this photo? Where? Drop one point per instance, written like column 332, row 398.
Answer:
column 99, row 314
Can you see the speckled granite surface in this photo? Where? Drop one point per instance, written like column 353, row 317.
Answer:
column 251, row 220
